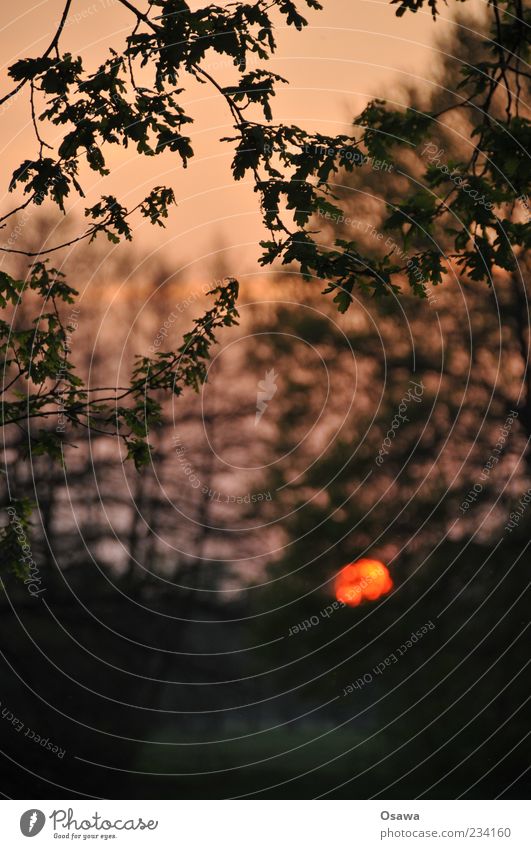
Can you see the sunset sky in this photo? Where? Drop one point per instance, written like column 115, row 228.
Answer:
column 349, row 53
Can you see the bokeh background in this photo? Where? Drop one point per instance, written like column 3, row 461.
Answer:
column 189, row 643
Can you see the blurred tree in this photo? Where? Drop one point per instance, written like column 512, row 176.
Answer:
column 293, row 169
column 425, row 405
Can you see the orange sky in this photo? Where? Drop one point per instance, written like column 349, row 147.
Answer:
column 350, row 52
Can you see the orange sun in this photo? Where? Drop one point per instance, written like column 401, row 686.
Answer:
column 364, row 579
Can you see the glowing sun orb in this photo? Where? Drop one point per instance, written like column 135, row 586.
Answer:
column 362, row 580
